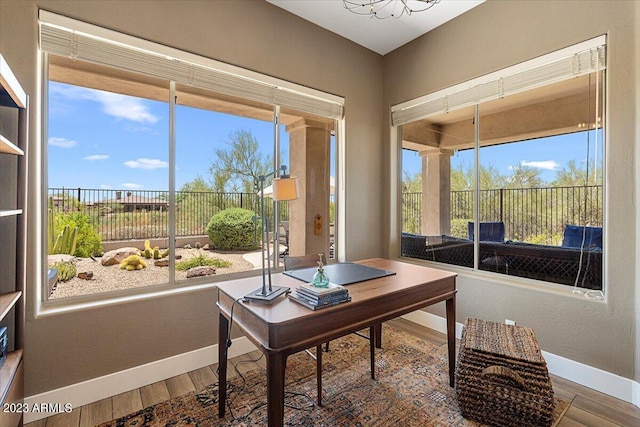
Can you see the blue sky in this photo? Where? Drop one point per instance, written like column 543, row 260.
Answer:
column 102, row 140
column 549, row 155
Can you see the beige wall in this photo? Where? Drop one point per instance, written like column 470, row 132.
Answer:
column 498, row 34
column 69, row 348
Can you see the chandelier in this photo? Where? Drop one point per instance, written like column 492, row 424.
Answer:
column 383, row 9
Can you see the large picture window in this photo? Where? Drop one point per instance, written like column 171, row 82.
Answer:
column 152, row 164
column 511, row 181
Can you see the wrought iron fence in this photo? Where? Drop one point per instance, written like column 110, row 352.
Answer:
column 526, row 212
column 143, row 214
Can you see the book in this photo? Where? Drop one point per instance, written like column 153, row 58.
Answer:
column 322, row 299
column 331, row 289
column 311, row 306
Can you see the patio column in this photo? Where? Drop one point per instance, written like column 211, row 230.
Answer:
column 309, row 145
column 436, row 190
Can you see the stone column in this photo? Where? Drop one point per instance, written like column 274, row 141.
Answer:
column 309, row 145
column 436, row 190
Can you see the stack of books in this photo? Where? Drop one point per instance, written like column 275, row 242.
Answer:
column 316, row 298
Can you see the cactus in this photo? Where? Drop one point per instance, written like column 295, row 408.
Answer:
column 65, row 270
column 164, row 253
column 156, row 253
column 66, row 241
column 133, row 262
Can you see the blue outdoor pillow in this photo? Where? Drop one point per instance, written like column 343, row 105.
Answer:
column 573, row 234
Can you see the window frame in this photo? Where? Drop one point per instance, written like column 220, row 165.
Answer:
column 305, row 99
column 423, row 107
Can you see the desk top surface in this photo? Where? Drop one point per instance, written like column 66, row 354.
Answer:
column 407, row 278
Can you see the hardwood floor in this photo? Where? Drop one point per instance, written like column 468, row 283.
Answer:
column 587, row 407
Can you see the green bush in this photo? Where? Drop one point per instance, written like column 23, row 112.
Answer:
column 459, row 228
column 89, row 240
column 66, row 270
column 201, row 260
column 234, row 229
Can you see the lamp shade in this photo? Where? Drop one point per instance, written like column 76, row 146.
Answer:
column 285, row 188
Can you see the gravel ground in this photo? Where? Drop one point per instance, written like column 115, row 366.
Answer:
column 112, row 278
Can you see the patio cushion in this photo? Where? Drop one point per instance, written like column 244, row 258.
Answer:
column 573, row 234
column 489, row 231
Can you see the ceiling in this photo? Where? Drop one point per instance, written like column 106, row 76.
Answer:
column 379, row 35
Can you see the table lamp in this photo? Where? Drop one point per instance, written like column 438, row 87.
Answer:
column 284, row 188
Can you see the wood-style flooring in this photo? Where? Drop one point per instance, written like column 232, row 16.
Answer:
column 588, row 407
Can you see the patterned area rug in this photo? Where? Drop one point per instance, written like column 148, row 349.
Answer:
column 411, row 389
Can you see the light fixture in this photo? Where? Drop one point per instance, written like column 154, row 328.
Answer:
column 383, row 9
column 285, row 187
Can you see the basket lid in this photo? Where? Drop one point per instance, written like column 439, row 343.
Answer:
column 514, row 342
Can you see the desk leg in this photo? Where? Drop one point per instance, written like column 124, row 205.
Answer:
column 378, row 334
column 319, row 372
column 451, row 338
column 276, row 364
column 223, row 335
column 372, row 349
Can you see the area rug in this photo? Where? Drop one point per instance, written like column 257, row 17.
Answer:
column 411, row 389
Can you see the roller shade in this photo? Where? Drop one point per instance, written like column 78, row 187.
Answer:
column 92, row 46
column 498, row 86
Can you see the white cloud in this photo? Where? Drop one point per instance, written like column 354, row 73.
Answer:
column 96, row 157
column 551, row 165
column 105, row 187
column 62, row 142
column 144, row 163
column 131, row 186
column 116, row 105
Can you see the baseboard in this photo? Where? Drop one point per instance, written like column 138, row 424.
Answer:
column 588, row 376
column 96, row 389
column 120, row 382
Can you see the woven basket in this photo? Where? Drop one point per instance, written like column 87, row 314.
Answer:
column 501, row 376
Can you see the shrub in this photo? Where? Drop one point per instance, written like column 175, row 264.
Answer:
column 201, row 260
column 89, row 240
column 66, row 270
column 233, row 229
column 459, row 228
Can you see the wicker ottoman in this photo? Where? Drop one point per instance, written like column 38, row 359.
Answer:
column 501, row 376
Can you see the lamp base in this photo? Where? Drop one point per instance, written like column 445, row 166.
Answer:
column 268, row 297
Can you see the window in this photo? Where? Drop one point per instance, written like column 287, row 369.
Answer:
column 146, row 145
column 505, row 174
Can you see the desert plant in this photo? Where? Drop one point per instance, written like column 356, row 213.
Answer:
column 133, row 262
column 233, row 229
column 66, row 270
column 201, row 260
column 89, row 241
column 63, row 242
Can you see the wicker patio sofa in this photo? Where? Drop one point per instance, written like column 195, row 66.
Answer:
column 556, row 264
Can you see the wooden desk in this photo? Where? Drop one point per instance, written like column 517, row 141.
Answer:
column 285, row 327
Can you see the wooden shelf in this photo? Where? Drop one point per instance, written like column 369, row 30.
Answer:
column 9, row 147
column 8, row 372
column 7, row 302
column 11, row 93
column 11, row 212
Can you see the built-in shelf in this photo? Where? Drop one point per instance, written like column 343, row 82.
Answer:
column 10, row 90
column 9, row 147
column 8, row 372
column 7, row 302
column 12, row 306
column 11, row 212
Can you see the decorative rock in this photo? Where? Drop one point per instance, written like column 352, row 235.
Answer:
column 187, row 246
column 86, row 275
column 178, row 256
column 116, row 256
column 206, row 247
column 201, row 271
column 198, row 245
column 52, row 259
column 161, row 263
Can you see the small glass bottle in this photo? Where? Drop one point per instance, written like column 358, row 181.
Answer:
column 320, row 278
